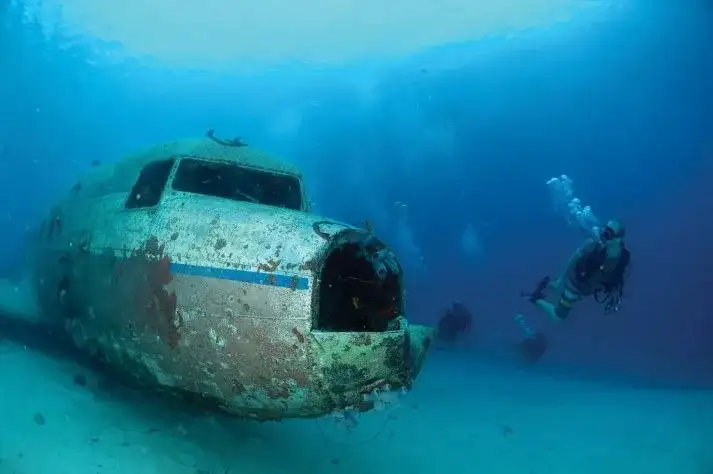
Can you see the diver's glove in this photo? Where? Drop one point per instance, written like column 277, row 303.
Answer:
column 384, row 261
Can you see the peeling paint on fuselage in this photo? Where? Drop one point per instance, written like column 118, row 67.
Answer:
column 182, row 331
column 219, row 341
column 211, row 301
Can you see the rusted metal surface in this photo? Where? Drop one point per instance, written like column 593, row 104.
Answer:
column 109, row 277
column 420, row 338
column 247, row 349
column 239, row 235
column 178, row 333
column 140, row 279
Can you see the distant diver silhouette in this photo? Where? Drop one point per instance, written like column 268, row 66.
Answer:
column 455, row 321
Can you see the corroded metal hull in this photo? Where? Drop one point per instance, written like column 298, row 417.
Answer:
column 221, row 301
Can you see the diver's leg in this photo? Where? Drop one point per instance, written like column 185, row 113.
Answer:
column 537, row 297
column 561, row 310
column 549, row 309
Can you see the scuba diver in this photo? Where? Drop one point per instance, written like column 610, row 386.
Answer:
column 455, row 321
column 597, row 268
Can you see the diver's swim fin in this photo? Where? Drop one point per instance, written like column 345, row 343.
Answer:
column 539, row 292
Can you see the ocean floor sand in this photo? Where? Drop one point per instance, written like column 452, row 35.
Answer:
column 463, row 415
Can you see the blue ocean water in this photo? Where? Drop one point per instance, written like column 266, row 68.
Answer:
column 478, row 158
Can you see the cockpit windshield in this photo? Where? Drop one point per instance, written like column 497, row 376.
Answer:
column 239, row 183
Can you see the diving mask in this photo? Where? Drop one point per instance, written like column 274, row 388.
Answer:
column 607, row 234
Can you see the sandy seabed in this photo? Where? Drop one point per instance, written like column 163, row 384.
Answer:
column 462, row 415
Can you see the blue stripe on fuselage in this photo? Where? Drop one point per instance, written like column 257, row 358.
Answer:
column 246, row 276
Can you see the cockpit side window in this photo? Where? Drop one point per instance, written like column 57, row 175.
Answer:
column 150, row 185
column 238, row 183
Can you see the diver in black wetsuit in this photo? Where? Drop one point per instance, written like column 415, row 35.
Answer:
column 597, row 268
column 455, row 321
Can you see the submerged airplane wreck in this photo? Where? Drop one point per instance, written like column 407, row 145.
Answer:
column 197, row 269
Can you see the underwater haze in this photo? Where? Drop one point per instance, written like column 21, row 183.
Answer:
column 450, row 126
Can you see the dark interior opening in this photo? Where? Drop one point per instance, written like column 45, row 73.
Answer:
column 232, row 181
column 149, row 186
column 352, row 297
